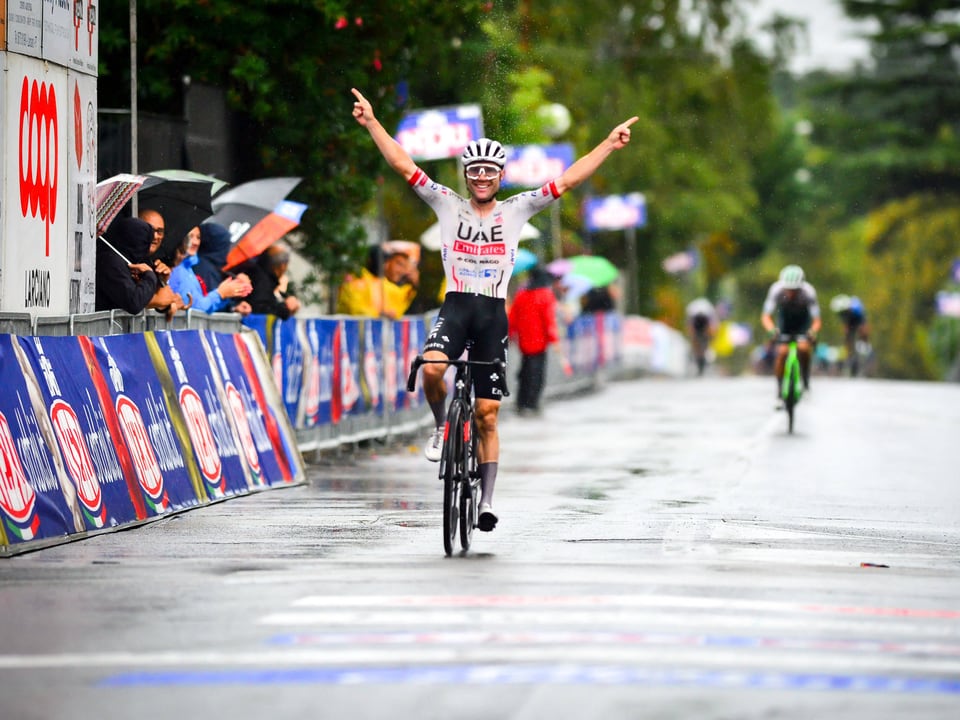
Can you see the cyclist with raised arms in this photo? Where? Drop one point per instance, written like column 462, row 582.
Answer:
column 794, row 302
column 480, row 236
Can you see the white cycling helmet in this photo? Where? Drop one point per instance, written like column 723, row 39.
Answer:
column 484, row 150
column 792, row 277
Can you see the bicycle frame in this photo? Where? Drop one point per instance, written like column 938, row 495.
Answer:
column 459, row 457
column 791, row 386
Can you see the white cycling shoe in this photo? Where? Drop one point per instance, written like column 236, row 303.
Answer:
column 434, row 447
column 487, row 519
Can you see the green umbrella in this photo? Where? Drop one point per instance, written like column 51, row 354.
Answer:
column 598, row 270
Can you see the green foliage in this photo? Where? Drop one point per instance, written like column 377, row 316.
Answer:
column 911, row 244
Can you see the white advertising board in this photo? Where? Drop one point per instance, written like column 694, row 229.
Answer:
column 81, row 147
column 4, row 165
column 70, row 34
column 34, row 244
column 24, row 26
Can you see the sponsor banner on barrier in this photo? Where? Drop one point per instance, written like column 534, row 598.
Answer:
column 371, row 350
column 350, row 396
column 155, row 435
column 323, row 391
column 583, row 349
column 199, row 398
column 289, row 345
column 81, row 431
column 404, row 341
column 279, row 427
column 37, row 500
column 255, row 425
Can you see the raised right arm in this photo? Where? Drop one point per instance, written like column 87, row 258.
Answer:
column 391, row 150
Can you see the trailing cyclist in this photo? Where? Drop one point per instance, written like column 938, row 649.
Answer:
column 793, row 301
column 702, row 326
column 856, row 332
column 480, row 236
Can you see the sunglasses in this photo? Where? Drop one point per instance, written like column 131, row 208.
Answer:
column 158, row 231
column 486, row 172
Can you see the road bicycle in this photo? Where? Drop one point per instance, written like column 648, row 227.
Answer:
column 459, row 459
column 791, row 387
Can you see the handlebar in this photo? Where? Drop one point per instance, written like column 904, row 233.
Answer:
column 420, row 360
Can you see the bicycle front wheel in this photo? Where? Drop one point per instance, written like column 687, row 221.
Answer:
column 450, row 472
column 470, row 489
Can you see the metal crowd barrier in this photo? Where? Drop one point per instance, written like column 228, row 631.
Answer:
column 116, row 322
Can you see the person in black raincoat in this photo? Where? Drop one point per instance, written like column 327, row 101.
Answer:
column 123, row 285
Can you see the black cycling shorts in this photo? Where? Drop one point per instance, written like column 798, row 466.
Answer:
column 479, row 324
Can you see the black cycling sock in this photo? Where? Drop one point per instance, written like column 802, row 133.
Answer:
column 439, row 410
column 488, row 478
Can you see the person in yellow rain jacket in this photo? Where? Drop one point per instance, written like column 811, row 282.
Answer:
column 385, row 287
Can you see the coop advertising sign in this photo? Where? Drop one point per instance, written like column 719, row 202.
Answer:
column 49, row 175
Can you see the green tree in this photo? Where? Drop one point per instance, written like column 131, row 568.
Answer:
column 885, row 163
column 287, row 67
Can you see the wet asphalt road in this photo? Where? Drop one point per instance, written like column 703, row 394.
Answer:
column 665, row 550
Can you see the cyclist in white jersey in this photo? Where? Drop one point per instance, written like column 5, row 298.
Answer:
column 480, row 236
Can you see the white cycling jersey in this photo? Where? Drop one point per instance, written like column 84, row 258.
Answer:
column 478, row 254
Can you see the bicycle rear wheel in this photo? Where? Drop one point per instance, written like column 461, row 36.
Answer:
column 450, row 473
column 790, row 402
column 469, row 490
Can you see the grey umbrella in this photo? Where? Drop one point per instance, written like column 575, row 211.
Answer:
column 241, row 207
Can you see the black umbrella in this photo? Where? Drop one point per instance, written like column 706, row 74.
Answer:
column 183, row 204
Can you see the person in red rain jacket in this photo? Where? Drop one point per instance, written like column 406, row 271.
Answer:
column 533, row 326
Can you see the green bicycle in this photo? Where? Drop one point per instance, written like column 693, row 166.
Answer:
column 791, row 387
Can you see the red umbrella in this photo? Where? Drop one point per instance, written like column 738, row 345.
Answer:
column 284, row 218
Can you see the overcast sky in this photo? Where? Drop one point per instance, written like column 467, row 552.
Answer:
column 833, row 43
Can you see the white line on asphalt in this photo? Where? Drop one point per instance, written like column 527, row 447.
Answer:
column 612, row 619
column 609, row 601
column 768, row 661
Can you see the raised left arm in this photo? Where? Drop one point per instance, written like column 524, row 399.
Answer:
column 588, row 164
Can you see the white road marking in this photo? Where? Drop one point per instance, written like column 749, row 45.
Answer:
column 606, row 618
column 346, row 657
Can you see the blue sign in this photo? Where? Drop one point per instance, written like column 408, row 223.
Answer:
column 955, row 271
column 531, row 166
column 439, row 133
column 615, row 212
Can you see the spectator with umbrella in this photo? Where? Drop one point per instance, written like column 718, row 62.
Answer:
column 268, row 275
column 185, row 282
column 165, row 299
column 125, row 281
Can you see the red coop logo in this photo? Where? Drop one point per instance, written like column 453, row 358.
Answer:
column 39, row 153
